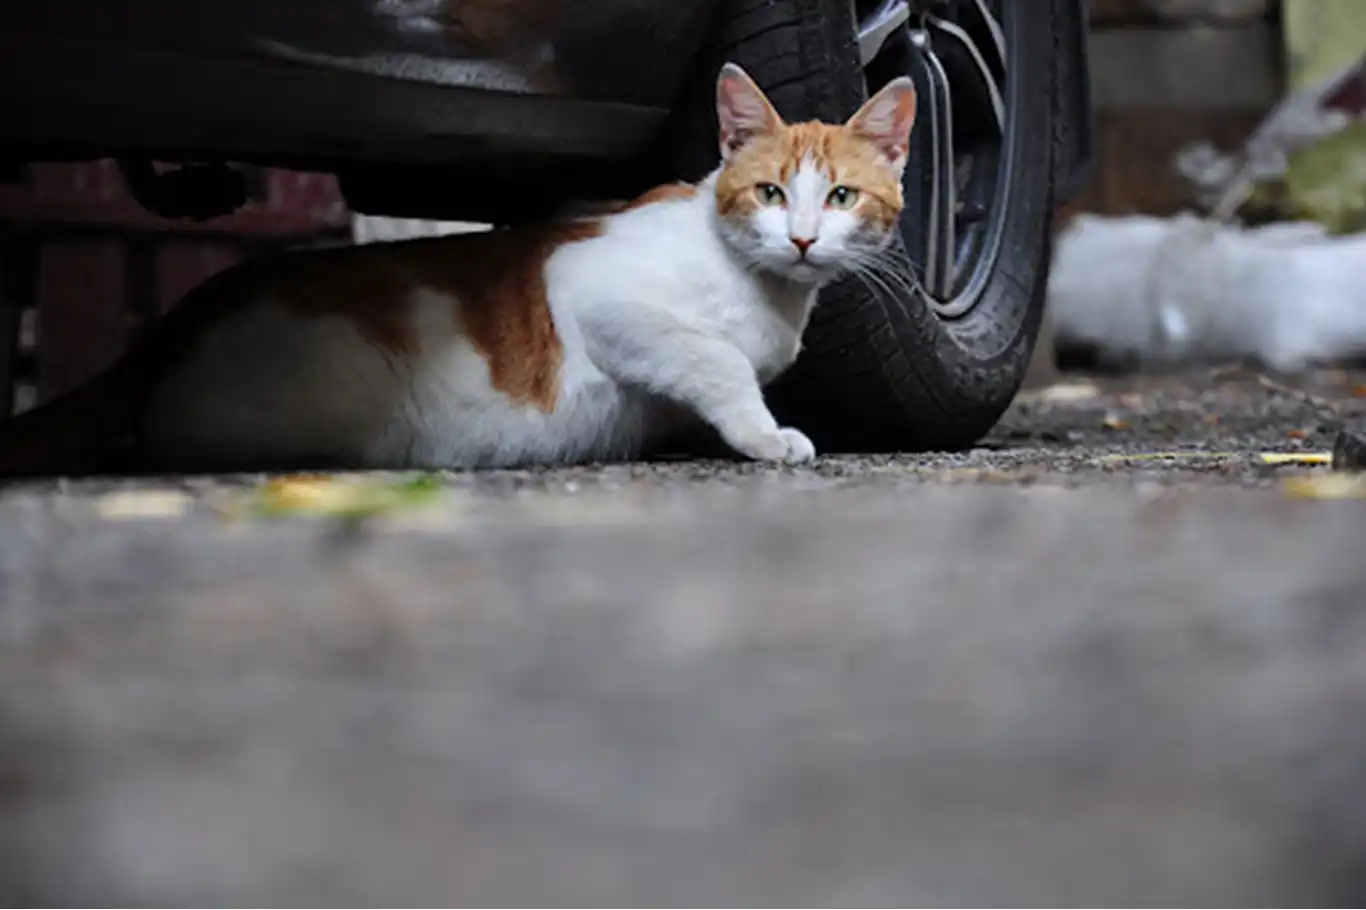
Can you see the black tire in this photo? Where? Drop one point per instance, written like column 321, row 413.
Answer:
column 883, row 373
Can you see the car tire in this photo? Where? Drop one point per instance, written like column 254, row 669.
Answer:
column 883, row 371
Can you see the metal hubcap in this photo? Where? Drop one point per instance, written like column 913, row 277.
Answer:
column 956, row 51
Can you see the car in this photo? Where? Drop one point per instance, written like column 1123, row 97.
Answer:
column 502, row 111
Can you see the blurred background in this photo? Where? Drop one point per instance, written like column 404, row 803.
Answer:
column 1230, row 189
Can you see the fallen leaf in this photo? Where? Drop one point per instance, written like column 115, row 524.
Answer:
column 1326, row 486
column 1305, row 458
column 305, row 493
column 1358, row 391
column 1170, row 456
column 1297, row 434
column 1066, row 392
column 1115, row 422
column 350, row 498
column 135, row 504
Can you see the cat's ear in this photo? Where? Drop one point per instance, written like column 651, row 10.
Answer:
column 742, row 110
column 886, row 120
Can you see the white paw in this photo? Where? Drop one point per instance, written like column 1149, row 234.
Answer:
column 799, row 448
column 786, row 445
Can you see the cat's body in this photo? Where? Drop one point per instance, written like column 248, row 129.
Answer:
column 584, row 330
column 586, row 339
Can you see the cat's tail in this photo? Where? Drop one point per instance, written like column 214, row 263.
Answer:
column 70, row 434
column 76, row 432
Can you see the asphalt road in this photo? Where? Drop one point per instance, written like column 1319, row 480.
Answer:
column 1111, row 657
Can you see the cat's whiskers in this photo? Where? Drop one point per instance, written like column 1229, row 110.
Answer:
column 887, row 258
column 875, row 283
column 863, row 280
column 891, row 274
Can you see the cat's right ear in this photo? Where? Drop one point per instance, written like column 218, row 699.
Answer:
column 742, row 110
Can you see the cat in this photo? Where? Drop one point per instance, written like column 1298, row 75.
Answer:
column 582, row 339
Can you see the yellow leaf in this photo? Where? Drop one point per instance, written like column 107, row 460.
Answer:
column 343, row 497
column 1067, row 392
column 1273, row 458
column 306, row 493
column 134, row 504
column 1326, row 486
column 1305, row 458
column 1171, row 456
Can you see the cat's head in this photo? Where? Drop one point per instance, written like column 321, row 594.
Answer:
column 809, row 201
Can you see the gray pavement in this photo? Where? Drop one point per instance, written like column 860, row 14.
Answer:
column 1055, row 670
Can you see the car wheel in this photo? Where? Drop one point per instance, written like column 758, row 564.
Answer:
column 929, row 355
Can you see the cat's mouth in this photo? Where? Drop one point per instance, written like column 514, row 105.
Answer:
column 809, row 270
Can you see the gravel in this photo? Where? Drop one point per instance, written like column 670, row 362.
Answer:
column 1207, row 427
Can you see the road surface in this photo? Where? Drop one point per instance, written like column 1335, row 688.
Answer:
column 1106, row 658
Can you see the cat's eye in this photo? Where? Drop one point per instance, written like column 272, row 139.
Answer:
column 770, row 194
column 842, row 197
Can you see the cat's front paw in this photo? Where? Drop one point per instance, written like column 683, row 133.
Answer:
column 799, row 448
column 785, row 445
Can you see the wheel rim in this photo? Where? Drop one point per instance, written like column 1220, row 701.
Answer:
column 957, row 53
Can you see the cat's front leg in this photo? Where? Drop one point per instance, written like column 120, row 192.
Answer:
column 715, row 380
column 759, row 437
column 726, row 394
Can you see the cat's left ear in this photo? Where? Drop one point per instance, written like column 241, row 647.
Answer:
column 743, row 111
column 886, row 120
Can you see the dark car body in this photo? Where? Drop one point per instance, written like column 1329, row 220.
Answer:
column 507, row 91
column 458, row 108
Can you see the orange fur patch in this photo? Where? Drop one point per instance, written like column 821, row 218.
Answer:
column 498, row 279
column 845, row 157
column 358, row 288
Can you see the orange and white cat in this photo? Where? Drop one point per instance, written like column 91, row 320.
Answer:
column 579, row 340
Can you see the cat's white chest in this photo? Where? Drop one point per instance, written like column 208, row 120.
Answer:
column 666, row 271
column 769, row 343
column 768, row 330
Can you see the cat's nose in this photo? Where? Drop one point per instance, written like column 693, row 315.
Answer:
column 802, row 244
